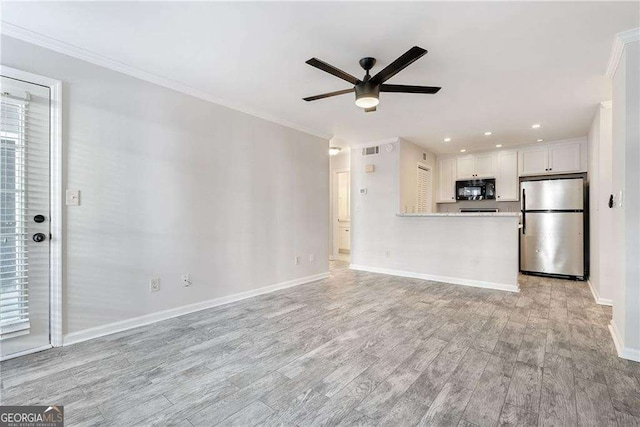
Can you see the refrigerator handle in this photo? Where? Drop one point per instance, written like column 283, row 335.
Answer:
column 524, row 212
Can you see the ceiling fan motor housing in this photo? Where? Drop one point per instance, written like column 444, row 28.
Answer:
column 367, row 90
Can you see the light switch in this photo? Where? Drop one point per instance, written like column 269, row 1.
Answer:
column 73, row 197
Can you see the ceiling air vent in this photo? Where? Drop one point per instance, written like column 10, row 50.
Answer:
column 369, row 151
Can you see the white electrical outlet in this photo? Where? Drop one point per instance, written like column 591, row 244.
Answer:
column 297, row 260
column 154, row 284
column 185, row 280
column 312, row 257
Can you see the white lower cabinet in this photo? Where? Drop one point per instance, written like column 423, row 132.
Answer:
column 507, row 177
column 446, row 180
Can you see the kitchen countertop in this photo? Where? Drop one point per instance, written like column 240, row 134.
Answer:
column 460, row 214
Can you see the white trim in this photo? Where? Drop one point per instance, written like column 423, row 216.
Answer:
column 444, row 279
column 619, row 42
column 596, row 296
column 55, row 244
column 112, row 328
column 623, row 352
column 25, row 352
column 606, row 104
column 41, row 40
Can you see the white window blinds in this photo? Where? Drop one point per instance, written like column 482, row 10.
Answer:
column 424, row 190
column 16, row 125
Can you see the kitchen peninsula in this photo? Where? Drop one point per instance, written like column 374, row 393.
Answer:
column 474, row 249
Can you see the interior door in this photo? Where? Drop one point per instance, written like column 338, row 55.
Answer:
column 24, row 217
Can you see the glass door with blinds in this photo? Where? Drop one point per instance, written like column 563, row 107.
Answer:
column 24, row 217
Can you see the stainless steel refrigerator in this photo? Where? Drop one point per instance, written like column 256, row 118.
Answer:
column 554, row 226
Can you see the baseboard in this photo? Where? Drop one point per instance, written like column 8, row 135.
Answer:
column 112, row 328
column 445, row 279
column 596, row 296
column 623, row 352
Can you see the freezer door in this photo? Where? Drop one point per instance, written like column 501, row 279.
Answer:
column 553, row 243
column 553, row 194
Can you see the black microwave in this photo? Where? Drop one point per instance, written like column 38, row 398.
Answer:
column 476, row 189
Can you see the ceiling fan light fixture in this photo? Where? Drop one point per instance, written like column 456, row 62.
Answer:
column 367, row 102
column 367, row 95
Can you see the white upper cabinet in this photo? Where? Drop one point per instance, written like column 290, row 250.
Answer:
column 475, row 166
column 507, row 177
column 447, row 180
column 534, row 161
column 554, row 158
column 485, row 166
column 564, row 158
column 465, row 167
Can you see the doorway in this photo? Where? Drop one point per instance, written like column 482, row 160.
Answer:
column 342, row 216
column 29, row 279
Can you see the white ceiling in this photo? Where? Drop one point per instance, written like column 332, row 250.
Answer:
column 502, row 65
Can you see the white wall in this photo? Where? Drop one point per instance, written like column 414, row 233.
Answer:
column 410, row 156
column 438, row 247
column 172, row 184
column 626, row 218
column 602, row 274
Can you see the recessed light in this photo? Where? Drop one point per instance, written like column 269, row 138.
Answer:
column 447, row 140
column 535, row 126
column 463, row 150
column 487, row 133
column 498, row 145
column 539, row 140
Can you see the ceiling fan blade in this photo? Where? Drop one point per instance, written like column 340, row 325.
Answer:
column 370, row 110
column 408, row 58
column 315, row 62
column 409, row 89
column 327, row 95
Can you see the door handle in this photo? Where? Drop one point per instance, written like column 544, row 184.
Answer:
column 39, row 237
column 524, row 212
column 611, row 201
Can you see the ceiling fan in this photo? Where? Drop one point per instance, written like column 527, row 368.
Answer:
column 368, row 89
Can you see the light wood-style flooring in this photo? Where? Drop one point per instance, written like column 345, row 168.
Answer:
column 356, row 349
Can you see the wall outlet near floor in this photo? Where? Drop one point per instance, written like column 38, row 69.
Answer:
column 154, row 284
column 185, row 280
column 312, row 257
column 297, row 260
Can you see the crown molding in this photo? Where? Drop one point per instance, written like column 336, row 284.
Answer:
column 619, row 42
column 41, row 40
column 606, row 104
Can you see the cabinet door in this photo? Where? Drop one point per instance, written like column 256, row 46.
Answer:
column 466, row 168
column 485, row 166
column 447, row 180
column 564, row 158
column 534, row 161
column 507, row 177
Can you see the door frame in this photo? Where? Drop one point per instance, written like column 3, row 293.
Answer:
column 55, row 189
column 334, row 209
